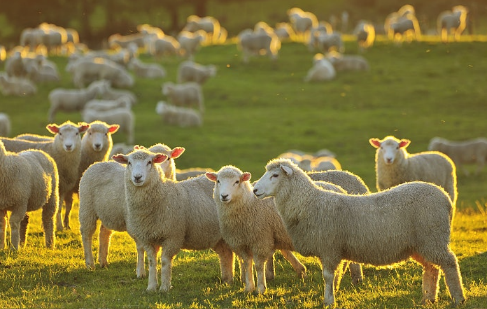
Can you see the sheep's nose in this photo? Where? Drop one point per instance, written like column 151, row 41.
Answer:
column 255, row 191
column 68, row 147
column 224, row 196
column 137, row 178
column 97, row 145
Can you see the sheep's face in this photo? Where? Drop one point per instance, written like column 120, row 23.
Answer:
column 168, row 166
column 267, row 185
column 140, row 164
column 69, row 134
column 98, row 135
column 389, row 149
column 229, row 184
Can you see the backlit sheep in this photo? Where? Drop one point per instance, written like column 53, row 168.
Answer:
column 16, row 86
column 124, row 117
column 189, row 71
column 452, row 22
column 186, row 94
column 322, row 70
column 146, row 70
column 258, row 43
column 179, row 116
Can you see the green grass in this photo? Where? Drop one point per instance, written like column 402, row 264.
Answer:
column 253, row 113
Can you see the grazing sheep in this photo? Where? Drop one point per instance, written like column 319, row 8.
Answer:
column 146, row 70
column 124, row 117
column 189, row 71
column 302, row 22
column 5, row 125
column 185, row 95
column 123, row 41
column 251, row 227
column 17, row 86
column 462, row 152
column 29, row 181
column 102, row 197
column 402, row 25
column 106, row 105
column 115, row 94
column 208, row 24
column 323, row 28
column 183, row 174
column 452, row 22
column 65, row 149
column 89, row 70
column 365, row 33
column 343, row 63
column 189, row 42
column 322, row 70
column 253, row 43
column 411, row 220
column 394, row 165
column 191, row 221
column 165, row 46
column 73, row 100
column 178, row 116
column 284, row 31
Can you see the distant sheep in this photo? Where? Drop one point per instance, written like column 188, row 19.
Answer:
column 394, row 165
column 189, row 71
column 322, row 70
column 179, row 116
column 189, row 42
column 187, row 94
column 302, row 22
column 5, row 125
column 343, row 63
column 183, row 174
column 29, row 182
column 16, row 86
column 411, row 220
column 258, row 43
column 165, row 46
column 89, row 70
column 146, row 70
column 208, row 24
column 124, row 117
column 462, row 152
column 365, row 33
column 452, row 22
column 106, row 105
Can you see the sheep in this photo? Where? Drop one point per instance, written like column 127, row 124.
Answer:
column 411, row 220
column 17, row 86
column 65, row 149
column 208, row 24
column 73, row 100
column 5, row 126
column 89, row 70
column 121, row 148
column 402, row 25
column 323, row 28
column 183, row 174
column 189, row 42
column 302, row 22
column 106, row 105
column 178, row 116
column 365, row 33
column 123, row 41
column 394, row 165
column 165, row 46
column 189, row 71
column 258, row 43
column 29, row 181
column 115, row 94
column 343, row 63
column 462, row 152
column 322, row 70
column 452, row 22
column 102, row 197
column 251, row 227
column 186, row 95
column 190, row 223
column 284, row 31
column 124, row 117
column 146, row 70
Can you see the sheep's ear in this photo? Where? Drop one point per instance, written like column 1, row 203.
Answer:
column 176, row 152
column 53, row 128
column 211, row 176
column 287, row 170
column 120, row 158
column 113, row 128
column 404, row 143
column 159, row 158
column 137, row 147
column 83, row 126
column 245, row 176
column 375, row 142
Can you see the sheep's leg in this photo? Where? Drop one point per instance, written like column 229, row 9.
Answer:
column 24, row 227
column 260, row 270
column 48, row 213
column 3, row 228
column 152, row 257
column 103, row 245
column 167, row 256
column 356, row 273
column 298, row 267
column 59, row 220
column 87, row 221
column 453, row 278
column 68, row 201
column 15, row 218
column 227, row 261
column 329, row 269
column 140, row 270
column 269, row 268
column 247, row 268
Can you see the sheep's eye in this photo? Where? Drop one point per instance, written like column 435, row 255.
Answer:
column 397, row 147
column 77, row 133
column 149, row 163
column 218, row 181
column 129, row 163
column 237, row 182
column 275, row 175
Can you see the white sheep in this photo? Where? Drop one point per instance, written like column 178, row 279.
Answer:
column 5, row 126
column 251, row 227
column 187, row 94
column 191, row 221
column 284, row 31
column 183, row 174
column 146, row 70
column 29, row 181
column 452, row 22
column 120, row 148
column 65, row 149
column 102, row 197
column 189, row 42
column 322, row 70
column 115, row 94
column 189, row 71
column 123, row 41
column 89, row 70
column 411, row 220
column 302, row 22
column 17, row 86
column 208, row 24
column 343, row 62
column 165, row 46
column 73, row 100
column 365, row 34
column 394, row 165
column 124, row 117
column 258, row 43
column 462, row 152
column 179, row 116
column 106, row 105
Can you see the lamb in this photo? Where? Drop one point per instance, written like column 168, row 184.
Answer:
column 322, row 70
column 102, row 197
column 106, row 105
column 124, row 117
column 258, row 43
column 16, row 86
column 189, row 71
column 189, row 42
column 178, row 116
column 462, row 152
column 251, row 227
column 343, row 63
column 5, row 125
column 65, row 149
column 73, row 100
column 415, row 222
column 186, row 95
column 29, row 181
column 190, row 223
column 394, row 165
column 146, row 70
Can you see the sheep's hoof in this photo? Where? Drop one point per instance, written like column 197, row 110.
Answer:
column 151, row 289
column 165, row 289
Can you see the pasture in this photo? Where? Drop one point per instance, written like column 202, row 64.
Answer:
column 254, row 112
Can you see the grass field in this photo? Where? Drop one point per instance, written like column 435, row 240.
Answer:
column 253, row 113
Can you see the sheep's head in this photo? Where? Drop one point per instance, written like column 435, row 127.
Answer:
column 69, row 134
column 229, row 183
column 99, row 135
column 276, row 170
column 389, row 147
column 140, row 163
